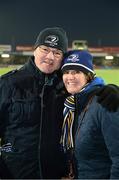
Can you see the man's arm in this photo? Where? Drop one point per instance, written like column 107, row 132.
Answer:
column 108, row 97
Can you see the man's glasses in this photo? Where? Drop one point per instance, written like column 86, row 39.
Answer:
column 46, row 50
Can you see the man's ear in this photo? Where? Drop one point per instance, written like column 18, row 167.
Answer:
column 34, row 52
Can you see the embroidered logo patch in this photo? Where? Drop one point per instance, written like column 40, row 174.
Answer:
column 52, row 40
column 7, row 147
column 73, row 58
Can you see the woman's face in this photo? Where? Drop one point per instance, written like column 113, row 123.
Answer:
column 74, row 80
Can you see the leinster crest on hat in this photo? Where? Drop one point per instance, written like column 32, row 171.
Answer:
column 52, row 40
column 73, row 58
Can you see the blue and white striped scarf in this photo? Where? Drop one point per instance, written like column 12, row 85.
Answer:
column 67, row 137
column 68, row 113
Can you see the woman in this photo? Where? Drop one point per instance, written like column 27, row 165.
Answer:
column 94, row 135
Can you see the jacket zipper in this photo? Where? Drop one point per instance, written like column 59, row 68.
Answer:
column 41, row 121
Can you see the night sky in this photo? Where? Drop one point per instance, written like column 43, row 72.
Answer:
column 96, row 21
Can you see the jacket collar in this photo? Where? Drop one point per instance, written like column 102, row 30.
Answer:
column 54, row 78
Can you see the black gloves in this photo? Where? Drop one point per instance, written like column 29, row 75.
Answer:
column 108, row 97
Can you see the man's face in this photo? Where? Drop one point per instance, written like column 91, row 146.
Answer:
column 48, row 59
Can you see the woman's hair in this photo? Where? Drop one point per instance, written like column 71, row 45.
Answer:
column 90, row 76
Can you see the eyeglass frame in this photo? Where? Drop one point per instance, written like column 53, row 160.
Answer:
column 46, row 50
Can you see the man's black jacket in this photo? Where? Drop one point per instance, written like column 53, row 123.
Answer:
column 31, row 106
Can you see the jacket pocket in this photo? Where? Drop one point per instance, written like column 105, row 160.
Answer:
column 24, row 110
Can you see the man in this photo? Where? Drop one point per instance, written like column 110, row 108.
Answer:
column 31, row 106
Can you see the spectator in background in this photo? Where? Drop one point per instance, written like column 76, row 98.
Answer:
column 31, row 106
column 90, row 132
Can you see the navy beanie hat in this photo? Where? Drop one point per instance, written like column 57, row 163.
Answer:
column 78, row 60
column 54, row 37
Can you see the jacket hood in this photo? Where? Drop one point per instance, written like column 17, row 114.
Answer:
column 89, row 90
